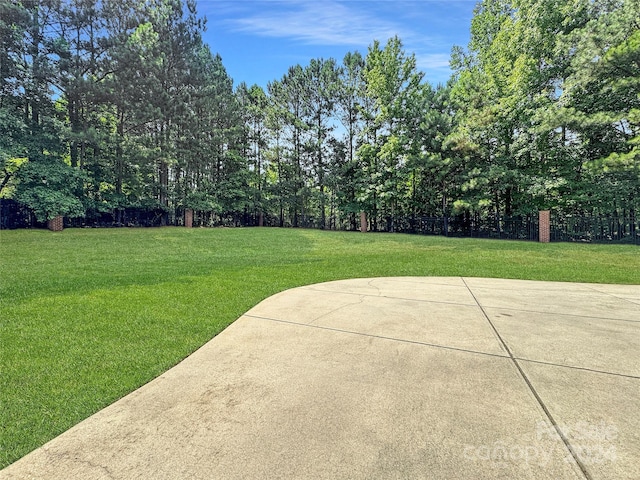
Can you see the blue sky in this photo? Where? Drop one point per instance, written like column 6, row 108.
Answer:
column 260, row 39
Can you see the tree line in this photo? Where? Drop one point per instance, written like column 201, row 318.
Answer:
column 113, row 104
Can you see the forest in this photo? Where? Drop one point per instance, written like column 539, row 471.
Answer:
column 108, row 105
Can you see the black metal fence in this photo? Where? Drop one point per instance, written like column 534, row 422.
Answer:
column 126, row 217
column 596, row 229
column 588, row 229
column 511, row 228
column 585, row 229
column 13, row 215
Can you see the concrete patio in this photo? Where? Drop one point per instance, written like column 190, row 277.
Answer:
column 435, row 378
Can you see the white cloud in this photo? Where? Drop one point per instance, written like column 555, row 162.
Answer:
column 347, row 23
column 319, row 23
column 432, row 61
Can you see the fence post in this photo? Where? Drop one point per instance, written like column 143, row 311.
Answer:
column 188, row 218
column 544, row 232
column 363, row 222
column 56, row 224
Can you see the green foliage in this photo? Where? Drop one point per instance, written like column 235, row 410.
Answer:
column 543, row 98
column 50, row 188
column 9, row 168
column 201, row 201
column 613, row 45
column 541, row 111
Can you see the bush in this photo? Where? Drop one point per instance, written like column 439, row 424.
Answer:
column 50, row 188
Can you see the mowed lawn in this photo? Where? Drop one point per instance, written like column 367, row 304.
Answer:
column 87, row 316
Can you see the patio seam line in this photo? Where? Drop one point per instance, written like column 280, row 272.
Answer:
column 476, row 304
column 565, row 440
column 633, row 302
column 602, row 372
column 381, row 337
column 489, row 307
column 531, row 287
column 393, row 298
column 413, row 280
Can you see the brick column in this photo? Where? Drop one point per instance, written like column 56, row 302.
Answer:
column 56, row 224
column 544, row 226
column 188, row 218
column 363, row 222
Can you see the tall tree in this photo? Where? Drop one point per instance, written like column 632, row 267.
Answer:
column 319, row 91
column 600, row 101
column 289, row 103
column 350, row 100
column 45, row 183
column 254, row 103
column 14, row 22
column 393, row 82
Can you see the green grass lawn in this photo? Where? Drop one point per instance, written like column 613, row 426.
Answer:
column 87, row 316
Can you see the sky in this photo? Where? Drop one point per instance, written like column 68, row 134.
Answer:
column 259, row 40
